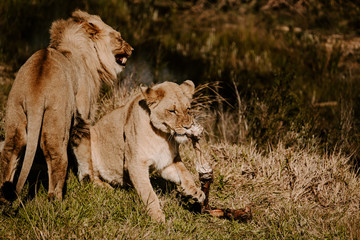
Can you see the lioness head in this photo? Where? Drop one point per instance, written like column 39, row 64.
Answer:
column 96, row 40
column 169, row 105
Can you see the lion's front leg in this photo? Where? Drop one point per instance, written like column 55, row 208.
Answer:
column 177, row 173
column 139, row 176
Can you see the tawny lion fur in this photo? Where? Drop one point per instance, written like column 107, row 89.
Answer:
column 146, row 132
column 56, row 91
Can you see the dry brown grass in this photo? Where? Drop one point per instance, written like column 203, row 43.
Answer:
column 220, row 125
column 292, row 192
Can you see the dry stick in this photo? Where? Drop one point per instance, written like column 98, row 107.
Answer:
column 206, row 178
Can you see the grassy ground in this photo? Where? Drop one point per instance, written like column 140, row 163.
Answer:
column 293, row 194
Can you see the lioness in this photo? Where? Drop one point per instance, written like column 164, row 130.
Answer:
column 56, row 90
column 146, row 132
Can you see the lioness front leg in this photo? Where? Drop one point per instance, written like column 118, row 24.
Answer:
column 177, row 173
column 81, row 145
column 83, row 157
column 139, row 176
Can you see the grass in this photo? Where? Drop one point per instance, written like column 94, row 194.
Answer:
column 293, row 194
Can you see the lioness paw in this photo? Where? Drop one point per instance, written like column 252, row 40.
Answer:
column 158, row 216
column 200, row 196
column 195, row 193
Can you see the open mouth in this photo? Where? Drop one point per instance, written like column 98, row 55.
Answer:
column 121, row 59
column 179, row 135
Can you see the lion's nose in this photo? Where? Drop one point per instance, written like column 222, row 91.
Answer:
column 128, row 49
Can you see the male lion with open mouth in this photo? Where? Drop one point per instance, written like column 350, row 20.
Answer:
column 55, row 92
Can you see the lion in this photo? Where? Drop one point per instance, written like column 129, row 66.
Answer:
column 54, row 97
column 146, row 133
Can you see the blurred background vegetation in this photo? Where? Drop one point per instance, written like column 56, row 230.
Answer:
column 286, row 70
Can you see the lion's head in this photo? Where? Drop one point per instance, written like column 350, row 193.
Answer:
column 170, row 105
column 89, row 36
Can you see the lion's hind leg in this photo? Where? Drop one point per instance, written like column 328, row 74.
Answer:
column 100, row 183
column 13, row 149
column 54, row 142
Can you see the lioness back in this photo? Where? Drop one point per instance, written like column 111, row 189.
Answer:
column 107, row 142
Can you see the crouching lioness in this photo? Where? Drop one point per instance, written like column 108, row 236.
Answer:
column 145, row 133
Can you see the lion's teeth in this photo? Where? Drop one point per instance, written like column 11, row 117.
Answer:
column 124, row 60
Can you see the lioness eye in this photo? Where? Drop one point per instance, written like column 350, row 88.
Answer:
column 172, row 111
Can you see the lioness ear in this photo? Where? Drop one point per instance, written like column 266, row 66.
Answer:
column 152, row 96
column 188, row 88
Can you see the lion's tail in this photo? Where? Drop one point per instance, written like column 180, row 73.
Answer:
column 35, row 118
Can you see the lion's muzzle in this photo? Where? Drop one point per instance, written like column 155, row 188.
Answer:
column 122, row 55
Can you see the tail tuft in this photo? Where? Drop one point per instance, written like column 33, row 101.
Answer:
column 8, row 191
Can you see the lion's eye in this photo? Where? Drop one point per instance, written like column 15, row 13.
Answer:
column 172, row 111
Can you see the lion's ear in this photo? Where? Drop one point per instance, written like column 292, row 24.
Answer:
column 80, row 16
column 83, row 18
column 152, row 96
column 91, row 28
column 188, row 88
